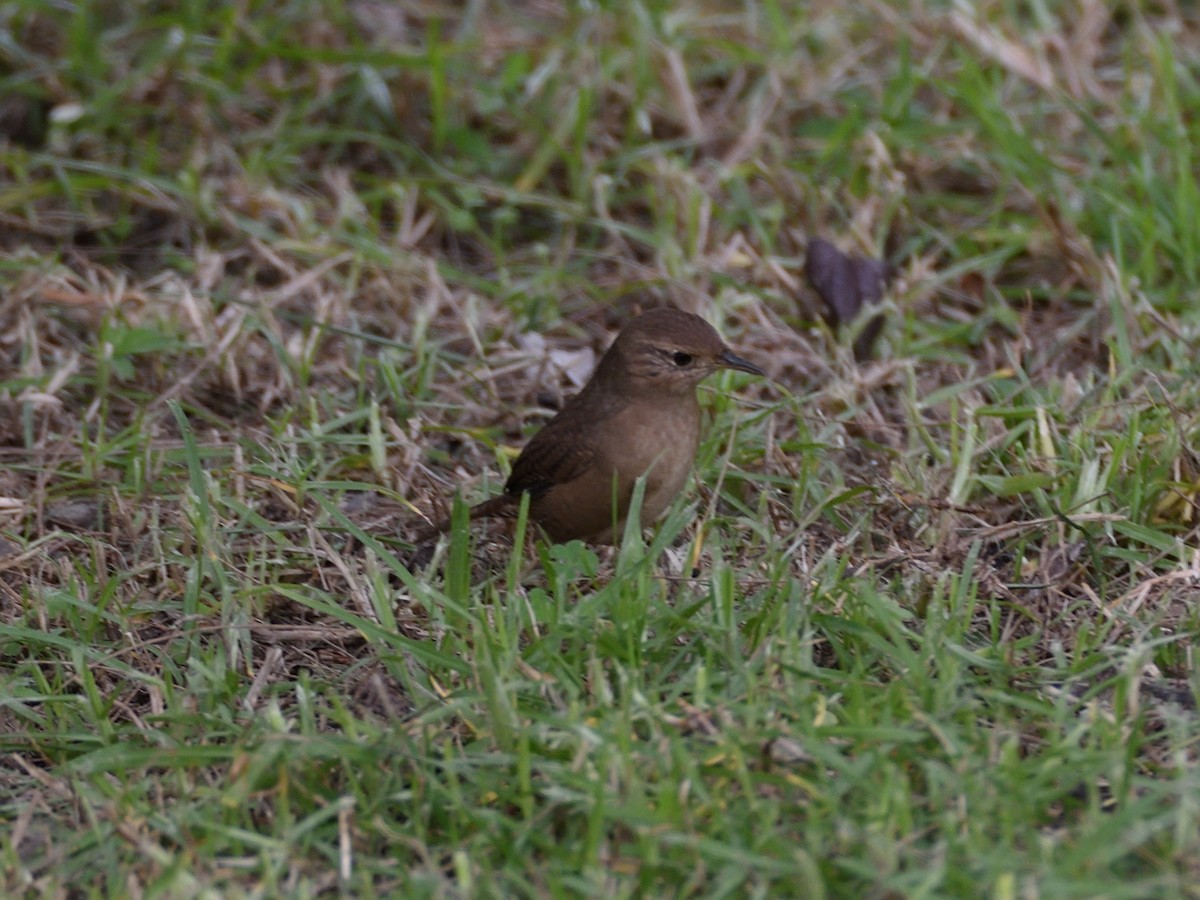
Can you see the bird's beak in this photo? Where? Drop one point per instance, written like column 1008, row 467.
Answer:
column 728, row 360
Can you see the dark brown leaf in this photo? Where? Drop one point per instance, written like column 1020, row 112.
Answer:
column 846, row 284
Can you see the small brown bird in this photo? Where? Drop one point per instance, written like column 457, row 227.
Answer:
column 637, row 416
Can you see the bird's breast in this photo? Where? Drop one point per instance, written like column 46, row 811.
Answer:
column 658, row 441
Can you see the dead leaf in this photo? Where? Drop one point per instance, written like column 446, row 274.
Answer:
column 80, row 515
column 847, row 284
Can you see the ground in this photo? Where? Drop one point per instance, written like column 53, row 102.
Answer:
column 278, row 281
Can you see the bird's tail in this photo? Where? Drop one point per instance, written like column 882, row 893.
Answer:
column 500, row 506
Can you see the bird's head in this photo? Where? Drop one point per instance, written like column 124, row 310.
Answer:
column 668, row 351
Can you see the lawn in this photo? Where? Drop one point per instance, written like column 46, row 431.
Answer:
column 281, row 280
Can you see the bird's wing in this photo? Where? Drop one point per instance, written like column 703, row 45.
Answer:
column 555, row 455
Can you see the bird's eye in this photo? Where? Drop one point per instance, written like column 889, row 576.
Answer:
column 680, row 358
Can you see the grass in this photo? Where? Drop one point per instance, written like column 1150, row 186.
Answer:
column 277, row 279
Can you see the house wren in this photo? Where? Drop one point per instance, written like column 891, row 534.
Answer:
column 637, row 416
